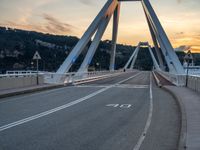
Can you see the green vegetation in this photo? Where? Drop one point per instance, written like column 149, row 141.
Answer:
column 17, row 48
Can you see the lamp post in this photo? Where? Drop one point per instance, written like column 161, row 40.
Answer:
column 188, row 58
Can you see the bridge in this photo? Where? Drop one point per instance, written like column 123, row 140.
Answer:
column 125, row 109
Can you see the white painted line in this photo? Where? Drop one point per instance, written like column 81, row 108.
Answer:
column 112, row 105
column 132, row 86
column 92, row 86
column 19, row 97
column 78, row 82
column 119, row 105
column 148, row 123
column 25, row 120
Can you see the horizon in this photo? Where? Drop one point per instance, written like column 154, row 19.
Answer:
column 54, row 17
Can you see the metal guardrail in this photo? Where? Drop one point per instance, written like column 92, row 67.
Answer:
column 65, row 78
column 177, row 79
column 180, row 80
column 16, row 75
column 194, row 83
column 74, row 76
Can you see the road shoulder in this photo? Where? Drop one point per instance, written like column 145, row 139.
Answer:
column 189, row 103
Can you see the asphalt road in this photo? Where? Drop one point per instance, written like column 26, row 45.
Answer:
column 125, row 112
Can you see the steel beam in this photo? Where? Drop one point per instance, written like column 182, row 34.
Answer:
column 131, row 58
column 165, row 41
column 114, row 37
column 163, row 47
column 93, row 47
column 105, row 11
column 153, row 58
column 134, row 59
column 153, row 36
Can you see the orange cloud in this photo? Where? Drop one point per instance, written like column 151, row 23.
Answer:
column 51, row 25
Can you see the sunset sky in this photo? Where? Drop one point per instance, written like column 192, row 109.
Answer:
column 180, row 19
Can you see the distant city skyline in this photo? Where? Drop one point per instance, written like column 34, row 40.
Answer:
column 180, row 19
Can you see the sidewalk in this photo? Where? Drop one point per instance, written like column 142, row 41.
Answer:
column 189, row 100
column 29, row 89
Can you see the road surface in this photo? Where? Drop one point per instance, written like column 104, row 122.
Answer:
column 125, row 112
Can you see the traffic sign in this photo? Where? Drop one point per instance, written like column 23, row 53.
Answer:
column 188, row 55
column 36, row 56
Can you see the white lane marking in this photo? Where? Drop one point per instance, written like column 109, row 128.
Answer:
column 148, row 123
column 125, row 106
column 28, row 119
column 112, row 105
column 11, row 99
column 92, row 86
column 96, row 79
column 132, row 86
column 119, row 105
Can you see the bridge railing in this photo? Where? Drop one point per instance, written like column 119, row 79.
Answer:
column 76, row 77
column 11, row 81
column 177, row 79
column 193, row 81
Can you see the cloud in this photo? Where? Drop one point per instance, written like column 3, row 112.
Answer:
column 51, row 25
column 87, row 2
column 55, row 26
column 180, row 33
column 183, row 48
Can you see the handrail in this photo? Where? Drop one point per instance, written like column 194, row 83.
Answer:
column 180, row 80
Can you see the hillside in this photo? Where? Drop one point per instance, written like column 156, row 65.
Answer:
column 17, row 48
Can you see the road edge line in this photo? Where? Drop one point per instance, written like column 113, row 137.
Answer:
column 148, row 122
column 183, row 130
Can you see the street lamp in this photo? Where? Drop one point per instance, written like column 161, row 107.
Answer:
column 188, row 59
column 97, row 64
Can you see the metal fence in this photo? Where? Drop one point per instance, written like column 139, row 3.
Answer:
column 177, row 79
column 194, row 83
column 75, row 77
column 49, row 77
column 180, row 80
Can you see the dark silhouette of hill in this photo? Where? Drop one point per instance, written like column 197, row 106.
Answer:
column 17, row 48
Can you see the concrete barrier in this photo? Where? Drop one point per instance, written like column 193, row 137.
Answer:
column 194, row 83
column 10, row 82
column 180, row 80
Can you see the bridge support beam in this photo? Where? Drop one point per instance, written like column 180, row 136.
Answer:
column 132, row 56
column 155, row 42
column 135, row 55
column 155, row 63
column 94, row 45
column 99, row 25
column 114, row 37
column 106, row 11
column 134, row 59
column 170, row 56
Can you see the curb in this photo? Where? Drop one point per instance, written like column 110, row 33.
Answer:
column 157, row 80
column 55, row 86
column 183, row 131
column 78, row 82
column 30, row 91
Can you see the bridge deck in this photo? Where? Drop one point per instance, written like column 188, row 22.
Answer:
column 83, row 117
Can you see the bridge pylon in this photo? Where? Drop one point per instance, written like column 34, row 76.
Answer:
column 97, row 28
column 131, row 62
